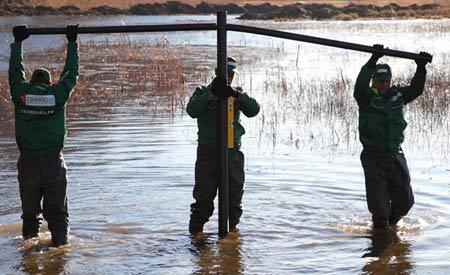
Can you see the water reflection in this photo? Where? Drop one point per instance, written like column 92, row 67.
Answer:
column 39, row 258
column 221, row 257
column 392, row 254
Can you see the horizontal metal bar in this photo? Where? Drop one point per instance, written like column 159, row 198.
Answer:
column 233, row 27
column 126, row 29
column 326, row 42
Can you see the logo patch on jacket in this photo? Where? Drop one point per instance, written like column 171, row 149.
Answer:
column 40, row 100
column 396, row 96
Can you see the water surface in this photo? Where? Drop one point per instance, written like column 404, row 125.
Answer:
column 131, row 174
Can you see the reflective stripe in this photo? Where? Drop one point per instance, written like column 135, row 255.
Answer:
column 230, row 128
column 375, row 91
column 40, row 100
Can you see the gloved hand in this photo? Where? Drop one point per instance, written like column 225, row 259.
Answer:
column 219, row 90
column 423, row 62
column 216, row 86
column 72, row 32
column 20, row 33
column 229, row 91
column 378, row 55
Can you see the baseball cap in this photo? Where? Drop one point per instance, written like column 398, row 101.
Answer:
column 382, row 72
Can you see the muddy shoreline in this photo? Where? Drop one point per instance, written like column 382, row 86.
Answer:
column 265, row 11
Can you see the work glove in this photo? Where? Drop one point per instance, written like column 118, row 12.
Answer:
column 219, row 90
column 20, row 33
column 72, row 32
column 376, row 55
column 230, row 92
column 422, row 62
column 216, row 86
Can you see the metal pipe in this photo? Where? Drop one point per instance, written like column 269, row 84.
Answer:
column 326, row 42
column 222, row 74
column 233, row 27
column 127, row 29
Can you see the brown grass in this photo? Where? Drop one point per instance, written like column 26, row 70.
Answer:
column 297, row 110
column 83, row 4
column 326, row 115
column 114, row 73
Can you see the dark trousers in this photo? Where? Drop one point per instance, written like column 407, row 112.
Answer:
column 43, row 176
column 388, row 190
column 207, row 182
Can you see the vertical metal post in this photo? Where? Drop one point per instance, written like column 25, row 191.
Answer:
column 222, row 74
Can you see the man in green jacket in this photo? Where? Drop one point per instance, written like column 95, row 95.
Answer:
column 40, row 123
column 203, row 107
column 381, row 125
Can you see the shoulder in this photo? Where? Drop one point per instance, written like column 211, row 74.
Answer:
column 201, row 89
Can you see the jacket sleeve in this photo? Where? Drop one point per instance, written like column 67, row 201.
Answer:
column 249, row 106
column 16, row 71
column 362, row 92
column 198, row 102
column 417, row 85
column 69, row 75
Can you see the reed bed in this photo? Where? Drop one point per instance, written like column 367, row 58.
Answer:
column 114, row 73
column 297, row 110
column 318, row 114
column 152, row 78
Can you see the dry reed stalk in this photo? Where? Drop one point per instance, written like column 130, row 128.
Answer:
column 325, row 115
column 119, row 72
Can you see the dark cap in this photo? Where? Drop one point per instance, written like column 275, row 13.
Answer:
column 382, row 72
column 41, row 75
column 232, row 65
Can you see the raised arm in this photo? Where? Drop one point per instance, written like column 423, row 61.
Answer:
column 417, row 85
column 69, row 75
column 363, row 93
column 16, row 69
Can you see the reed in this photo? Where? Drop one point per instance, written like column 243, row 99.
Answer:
column 314, row 113
column 297, row 109
column 112, row 73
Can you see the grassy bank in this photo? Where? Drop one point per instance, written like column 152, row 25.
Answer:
column 254, row 11
column 126, row 4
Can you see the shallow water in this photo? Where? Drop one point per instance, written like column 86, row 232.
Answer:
column 131, row 176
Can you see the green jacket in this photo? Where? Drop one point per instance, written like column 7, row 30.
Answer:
column 40, row 110
column 381, row 121
column 206, row 114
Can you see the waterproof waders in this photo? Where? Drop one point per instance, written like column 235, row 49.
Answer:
column 205, row 111
column 381, row 125
column 388, row 190
column 40, row 126
column 207, row 182
column 43, row 176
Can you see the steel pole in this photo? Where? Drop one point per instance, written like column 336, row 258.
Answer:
column 233, row 27
column 222, row 74
column 325, row 42
column 127, row 29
